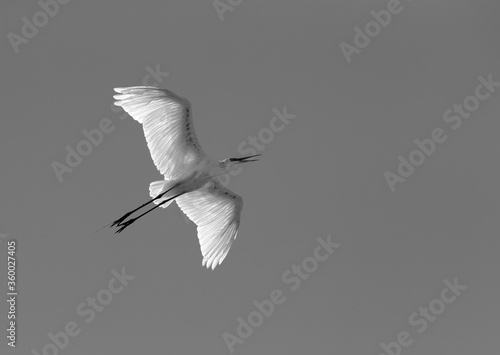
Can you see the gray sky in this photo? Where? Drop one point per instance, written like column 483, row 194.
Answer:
column 328, row 172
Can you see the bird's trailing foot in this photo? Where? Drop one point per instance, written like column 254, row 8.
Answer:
column 120, row 220
column 124, row 225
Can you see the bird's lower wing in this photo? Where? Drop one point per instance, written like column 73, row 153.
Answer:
column 168, row 127
column 216, row 211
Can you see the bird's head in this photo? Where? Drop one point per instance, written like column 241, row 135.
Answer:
column 230, row 164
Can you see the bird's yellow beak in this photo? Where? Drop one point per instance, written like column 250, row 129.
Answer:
column 245, row 159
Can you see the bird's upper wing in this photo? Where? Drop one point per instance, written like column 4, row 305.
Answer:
column 216, row 211
column 168, row 127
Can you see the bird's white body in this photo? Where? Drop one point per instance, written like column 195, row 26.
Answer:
column 193, row 178
column 190, row 176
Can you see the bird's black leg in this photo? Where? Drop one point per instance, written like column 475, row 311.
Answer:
column 120, row 220
column 125, row 224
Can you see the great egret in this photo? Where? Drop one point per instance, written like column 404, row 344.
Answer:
column 190, row 175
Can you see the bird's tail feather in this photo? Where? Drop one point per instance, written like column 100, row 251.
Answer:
column 157, row 187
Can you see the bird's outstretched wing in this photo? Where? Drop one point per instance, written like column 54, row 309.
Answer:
column 216, row 211
column 168, row 127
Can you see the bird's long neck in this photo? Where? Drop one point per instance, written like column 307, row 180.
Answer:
column 214, row 168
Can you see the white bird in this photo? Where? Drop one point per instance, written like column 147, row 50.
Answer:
column 190, row 175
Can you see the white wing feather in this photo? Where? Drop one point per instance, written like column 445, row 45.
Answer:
column 168, row 127
column 216, row 211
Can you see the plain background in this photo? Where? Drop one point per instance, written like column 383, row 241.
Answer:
column 322, row 175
